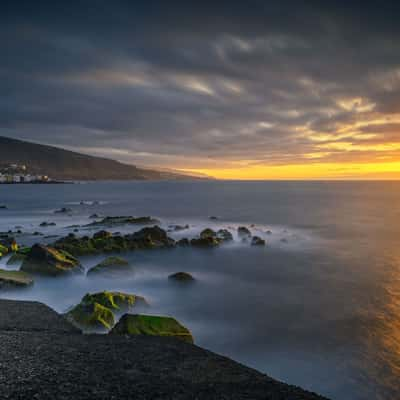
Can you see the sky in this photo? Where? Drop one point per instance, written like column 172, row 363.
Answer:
column 236, row 90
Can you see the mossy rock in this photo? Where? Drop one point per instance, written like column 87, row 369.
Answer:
column 152, row 325
column 3, row 250
column 46, row 260
column 124, row 220
column 91, row 317
column 110, row 263
column 207, row 233
column 96, row 311
column 117, row 301
column 181, row 277
column 15, row 278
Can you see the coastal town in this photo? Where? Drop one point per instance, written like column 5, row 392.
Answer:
column 18, row 173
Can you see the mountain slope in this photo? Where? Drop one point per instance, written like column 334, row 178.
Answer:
column 68, row 165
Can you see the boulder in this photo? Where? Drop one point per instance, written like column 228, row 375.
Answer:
column 208, row 233
column 181, row 277
column 138, row 324
column 152, row 237
column 14, row 278
column 243, row 231
column 96, row 311
column 224, row 235
column 49, row 261
column 102, row 235
column 109, row 263
column 257, row 241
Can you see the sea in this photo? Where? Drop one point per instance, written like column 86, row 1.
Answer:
column 317, row 307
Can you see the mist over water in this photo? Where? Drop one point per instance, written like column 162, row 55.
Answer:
column 320, row 309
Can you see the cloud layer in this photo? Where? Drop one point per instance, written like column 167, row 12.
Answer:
column 205, row 86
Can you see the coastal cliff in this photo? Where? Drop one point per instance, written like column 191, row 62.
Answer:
column 43, row 356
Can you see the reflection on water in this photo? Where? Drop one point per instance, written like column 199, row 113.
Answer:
column 319, row 309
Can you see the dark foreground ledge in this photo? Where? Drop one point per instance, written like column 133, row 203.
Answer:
column 43, row 357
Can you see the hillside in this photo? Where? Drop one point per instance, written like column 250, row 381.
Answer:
column 68, row 165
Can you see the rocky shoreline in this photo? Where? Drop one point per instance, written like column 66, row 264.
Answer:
column 44, row 357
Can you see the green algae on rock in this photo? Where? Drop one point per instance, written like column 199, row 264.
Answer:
column 91, row 317
column 15, row 278
column 110, row 263
column 181, row 277
column 138, row 324
column 46, row 260
column 103, row 242
column 205, row 242
column 96, row 311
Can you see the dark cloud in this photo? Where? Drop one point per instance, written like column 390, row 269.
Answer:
column 169, row 83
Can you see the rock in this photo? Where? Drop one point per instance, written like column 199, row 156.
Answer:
column 49, row 261
column 110, row 262
column 178, row 228
column 213, row 217
column 284, row 240
column 152, row 237
column 208, row 233
column 183, row 242
column 257, row 241
column 224, row 235
column 14, row 278
column 124, row 220
column 103, row 242
column 96, row 311
column 102, row 235
column 205, row 242
column 18, row 256
column 63, row 210
column 138, row 324
column 243, row 231
column 3, row 207
column 181, row 277
column 93, row 216
column 3, row 250
column 91, row 317
column 47, row 224
column 269, row 232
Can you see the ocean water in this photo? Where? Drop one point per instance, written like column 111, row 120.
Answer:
column 319, row 306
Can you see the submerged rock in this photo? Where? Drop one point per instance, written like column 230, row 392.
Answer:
column 49, row 261
column 14, row 278
column 96, row 311
column 183, row 242
column 47, row 224
column 109, row 263
column 138, row 324
column 257, row 241
column 177, row 228
column 63, row 210
column 93, row 216
column 205, row 242
column 181, row 277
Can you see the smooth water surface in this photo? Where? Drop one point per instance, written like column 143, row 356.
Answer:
column 318, row 307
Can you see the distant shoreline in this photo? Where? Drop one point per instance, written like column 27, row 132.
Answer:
column 36, row 183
